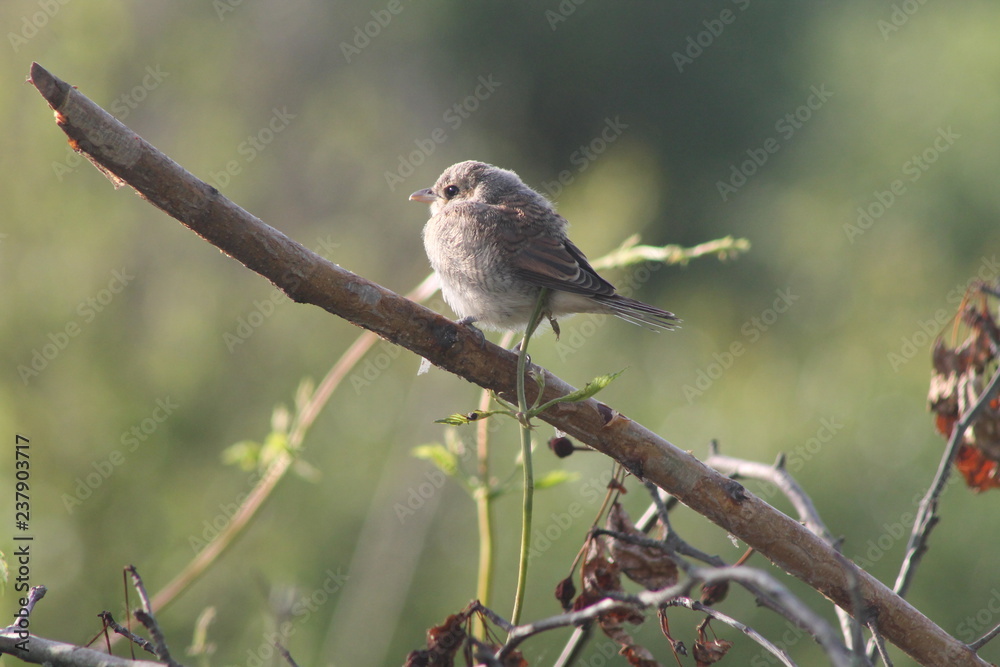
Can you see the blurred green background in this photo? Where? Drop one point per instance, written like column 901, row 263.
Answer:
column 856, row 145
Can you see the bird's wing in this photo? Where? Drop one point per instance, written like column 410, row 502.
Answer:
column 553, row 261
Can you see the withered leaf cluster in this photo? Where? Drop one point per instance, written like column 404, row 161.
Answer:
column 959, row 377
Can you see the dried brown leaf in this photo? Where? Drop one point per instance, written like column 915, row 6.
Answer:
column 647, row 566
column 710, row 652
column 443, row 643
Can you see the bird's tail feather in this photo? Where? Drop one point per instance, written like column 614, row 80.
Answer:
column 639, row 313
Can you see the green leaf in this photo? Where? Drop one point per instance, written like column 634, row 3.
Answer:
column 588, row 390
column 555, row 478
column 454, row 420
column 244, row 454
column 439, row 455
column 460, row 419
column 281, row 419
column 275, row 444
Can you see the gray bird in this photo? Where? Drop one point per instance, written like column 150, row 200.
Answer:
column 494, row 243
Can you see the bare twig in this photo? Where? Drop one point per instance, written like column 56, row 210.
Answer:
column 110, row 622
column 575, row 645
column 308, row 278
column 493, row 617
column 285, row 654
column 778, row 476
column 985, row 639
column 694, row 605
column 839, row 655
column 35, row 593
column 927, row 511
column 879, row 643
column 146, row 617
column 58, row 654
column 853, row 627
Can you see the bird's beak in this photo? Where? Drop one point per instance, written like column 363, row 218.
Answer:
column 426, row 196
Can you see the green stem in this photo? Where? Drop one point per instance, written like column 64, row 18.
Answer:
column 484, row 515
column 529, row 478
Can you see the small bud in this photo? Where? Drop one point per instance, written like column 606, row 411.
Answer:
column 565, row 591
column 561, row 447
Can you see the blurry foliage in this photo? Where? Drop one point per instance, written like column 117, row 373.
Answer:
column 212, row 83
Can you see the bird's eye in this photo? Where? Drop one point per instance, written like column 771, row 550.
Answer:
column 450, row 191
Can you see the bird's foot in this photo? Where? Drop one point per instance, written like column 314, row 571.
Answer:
column 470, row 323
column 555, row 325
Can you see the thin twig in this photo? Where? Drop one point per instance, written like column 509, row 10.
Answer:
column 879, row 642
column 35, row 593
column 648, row 519
column 491, row 615
column 59, row 654
column 838, row 653
column 146, row 617
column 853, row 626
column 927, row 511
column 808, row 514
column 985, row 639
column 694, row 605
column 777, row 475
column 285, row 654
column 575, row 645
column 142, row 642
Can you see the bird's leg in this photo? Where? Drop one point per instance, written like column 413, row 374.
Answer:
column 517, row 350
column 555, row 325
column 469, row 322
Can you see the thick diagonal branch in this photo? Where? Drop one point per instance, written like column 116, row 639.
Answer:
column 308, row 278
